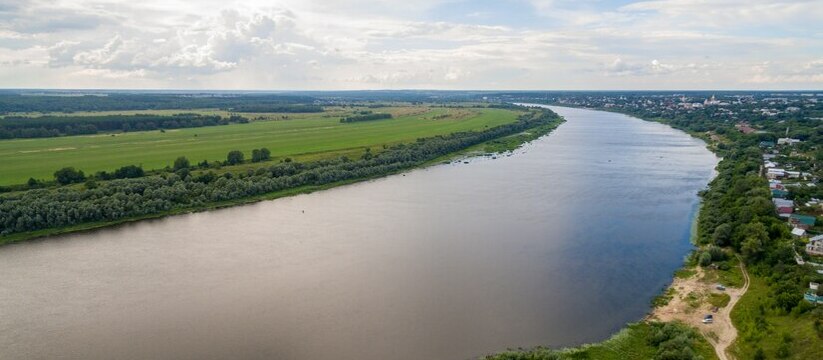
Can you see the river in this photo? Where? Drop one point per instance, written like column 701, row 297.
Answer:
column 561, row 243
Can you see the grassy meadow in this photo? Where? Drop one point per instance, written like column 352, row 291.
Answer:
column 761, row 326
column 299, row 136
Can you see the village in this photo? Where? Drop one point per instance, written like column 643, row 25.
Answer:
column 786, row 179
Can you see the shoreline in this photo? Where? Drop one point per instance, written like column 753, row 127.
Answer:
column 631, row 327
column 519, row 139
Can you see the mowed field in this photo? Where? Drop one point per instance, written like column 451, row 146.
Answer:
column 307, row 136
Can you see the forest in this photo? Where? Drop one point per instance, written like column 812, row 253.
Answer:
column 13, row 127
column 11, row 102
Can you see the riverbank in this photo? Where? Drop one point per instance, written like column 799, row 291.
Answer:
column 668, row 308
column 505, row 142
column 768, row 311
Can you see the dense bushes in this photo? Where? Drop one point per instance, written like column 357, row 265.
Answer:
column 69, row 175
column 366, row 116
column 118, row 199
column 673, row 341
column 50, row 126
column 258, row 155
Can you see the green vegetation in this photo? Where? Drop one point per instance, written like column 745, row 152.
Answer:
column 764, row 326
column 311, row 137
column 39, row 210
column 637, row 341
column 737, row 215
column 52, row 126
column 69, row 103
column 664, row 298
column 719, row 300
column 684, row 273
column 365, row 116
column 510, row 143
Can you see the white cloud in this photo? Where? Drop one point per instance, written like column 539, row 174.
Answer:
column 313, row 44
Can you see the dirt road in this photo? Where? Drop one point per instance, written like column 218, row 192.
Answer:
column 689, row 304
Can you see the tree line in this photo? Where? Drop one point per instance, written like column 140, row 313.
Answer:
column 118, row 199
column 365, row 116
column 277, row 108
column 51, row 126
column 16, row 102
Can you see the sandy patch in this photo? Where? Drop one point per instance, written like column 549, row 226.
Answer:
column 690, row 303
column 47, row 150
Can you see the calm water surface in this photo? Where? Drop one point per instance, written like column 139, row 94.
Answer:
column 559, row 244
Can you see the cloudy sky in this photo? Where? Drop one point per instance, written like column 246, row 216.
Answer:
column 412, row 44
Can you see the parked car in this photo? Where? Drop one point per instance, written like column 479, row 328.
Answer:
column 708, row 319
column 720, row 287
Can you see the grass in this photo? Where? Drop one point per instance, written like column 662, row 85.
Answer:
column 760, row 326
column 684, row 273
column 629, row 343
column 303, row 137
column 719, row 300
column 664, row 298
column 732, row 276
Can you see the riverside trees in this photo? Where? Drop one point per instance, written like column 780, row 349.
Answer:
column 39, row 209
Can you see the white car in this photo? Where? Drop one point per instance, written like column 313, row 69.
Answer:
column 708, row 319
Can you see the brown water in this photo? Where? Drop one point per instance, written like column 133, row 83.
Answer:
column 561, row 243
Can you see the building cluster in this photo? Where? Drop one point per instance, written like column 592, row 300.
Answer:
column 729, row 106
column 782, row 176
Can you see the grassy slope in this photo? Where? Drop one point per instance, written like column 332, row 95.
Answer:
column 304, row 137
column 804, row 344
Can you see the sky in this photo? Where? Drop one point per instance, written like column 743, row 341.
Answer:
column 412, row 44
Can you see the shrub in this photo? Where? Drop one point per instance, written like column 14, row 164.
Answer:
column 68, row 175
column 181, row 163
column 234, row 157
column 705, row 259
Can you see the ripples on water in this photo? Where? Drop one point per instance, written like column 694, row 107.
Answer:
column 560, row 244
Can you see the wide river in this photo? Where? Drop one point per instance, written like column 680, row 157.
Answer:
column 561, row 243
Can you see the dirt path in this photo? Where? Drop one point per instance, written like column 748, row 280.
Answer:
column 723, row 343
column 689, row 304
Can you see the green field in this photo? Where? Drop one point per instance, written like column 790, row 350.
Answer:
column 303, row 136
column 759, row 325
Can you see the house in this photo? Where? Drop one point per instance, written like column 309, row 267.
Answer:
column 776, row 184
column 815, row 246
column 801, row 221
column 775, row 173
column 811, row 294
column 779, row 193
column 793, row 174
column 783, row 203
column 798, row 232
column 766, row 144
column 785, row 211
column 787, row 141
column 769, row 165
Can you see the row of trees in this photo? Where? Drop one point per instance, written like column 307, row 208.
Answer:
column 70, row 175
column 366, row 116
column 51, row 126
column 11, row 102
column 123, row 198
